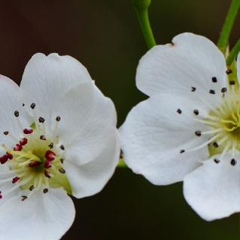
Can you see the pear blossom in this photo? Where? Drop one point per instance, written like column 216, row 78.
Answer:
column 189, row 128
column 58, row 139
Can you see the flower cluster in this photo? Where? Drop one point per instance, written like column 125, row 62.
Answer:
column 58, row 135
column 58, row 138
column 189, row 128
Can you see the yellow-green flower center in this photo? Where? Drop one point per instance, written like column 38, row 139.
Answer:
column 36, row 162
column 226, row 121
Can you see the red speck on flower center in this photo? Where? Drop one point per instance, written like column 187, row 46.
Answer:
column 4, row 159
column 23, row 142
column 50, row 155
column 18, row 147
column 27, row 131
column 15, row 180
column 48, row 165
column 34, row 164
column 10, row 156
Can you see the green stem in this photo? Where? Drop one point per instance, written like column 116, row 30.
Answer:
column 233, row 54
column 228, row 25
column 143, row 18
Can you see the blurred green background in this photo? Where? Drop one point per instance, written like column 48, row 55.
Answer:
column 105, row 36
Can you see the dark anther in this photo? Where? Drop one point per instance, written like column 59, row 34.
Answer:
column 211, row 91
column 58, row 118
column 229, row 71
column 61, row 160
column 214, row 79
column 62, row 147
column 41, row 119
column 195, row 111
column 198, row 133
column 24, row 198
column 231, row 82
column 45, row 190
column 15, row 179
column 23, row 104
column 33, row 105
column 179, row 111
column 42, row 137
column 216, row 160
column 61, row 170
column 34, row 164
column 193, row 89
column 6, row 132
column 16, row 113
column 31, row 188
column 215, row 144
column 23, row 142
column 182, row 151
column 233, row 162
column 27, row 131
column 47, row 174
column 51, row 145
column 224, row 89
column 4, row 159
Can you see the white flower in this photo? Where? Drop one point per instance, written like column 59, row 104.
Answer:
column 58, row 138
column 189, row 128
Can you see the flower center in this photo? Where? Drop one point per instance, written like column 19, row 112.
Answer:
column 226, row 121
column 35, row 162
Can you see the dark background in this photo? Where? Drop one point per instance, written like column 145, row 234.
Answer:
column 105, row 36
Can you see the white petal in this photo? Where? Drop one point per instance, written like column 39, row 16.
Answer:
column 42, row 216
column 213, row 190
column 90, row 178
column 47, row 78
column 10, row 98
column 154, row 134
column 87, row 120
column 192, row 61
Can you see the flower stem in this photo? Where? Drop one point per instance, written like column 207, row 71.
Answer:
column 233, row 54
column 228, row 25
column 141, row 7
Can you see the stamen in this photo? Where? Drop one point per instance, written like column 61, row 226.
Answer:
column 42, row 137
column 27, row 131
column 195, row 111
column 45, row 190
column 58, row 118
column 41, row 119
column 214, row 79
column 33, row 105
column 233, row 162
column 198, row 133
column 193, row 89
column 23, row 141
column 16, row 113
column 216, row 160
column 179, row 111
column 223, row 90
column 24, row 198
column 61, row 170
column 15, row 180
